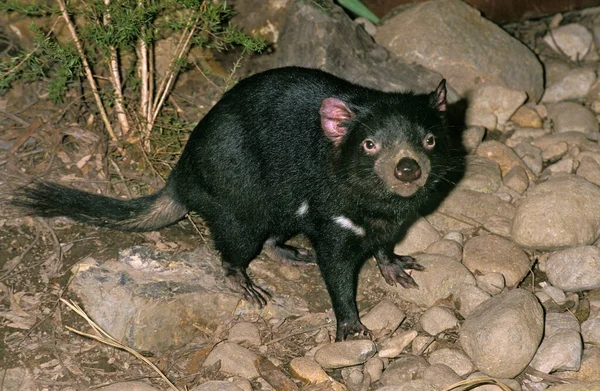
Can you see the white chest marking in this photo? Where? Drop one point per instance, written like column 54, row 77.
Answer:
column 303, row 209
column 345, row 222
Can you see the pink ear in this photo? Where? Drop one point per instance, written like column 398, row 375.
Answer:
column 438, row 97
column 334, row 112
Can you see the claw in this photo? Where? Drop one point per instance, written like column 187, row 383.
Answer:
column 241, row 282
column 347, row 329
column 395, row 272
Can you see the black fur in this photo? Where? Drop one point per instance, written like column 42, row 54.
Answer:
column 263, row 152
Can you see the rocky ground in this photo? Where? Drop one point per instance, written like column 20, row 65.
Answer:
column 511, row 289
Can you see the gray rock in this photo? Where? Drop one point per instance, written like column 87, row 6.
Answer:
column 404, row 369
column 560, row 352
column 472, row 137
column 235, row 360
column 590, row 330
column 309, row 36
column 441, row 277
column 554, row 293
column 491, row 106
column 150, row 301
column 394, row 346
column 345, row 354
column 525, row 135
column 413, row 385
column 574, row 269
column 356, row 380
column 572, row 40
column 437, row 319
column 468, row 298
column 512, row 384
column 565, row 166
column 452, row 38
column 563, row 211
column 573, row 117
column 590, row 366
column 517, row 179
column 449, row 248
column 572, row 138
column 213, row 385
column 575, row 84
column 455, row 359
column 591, row 386
column 455, row 236
column 531, row 157
column 465, row 209
column 488, row 335
column 384, row 316
column 589, row 169
column 554, row 152
column 493, row 254
column 245, row 332
column 442, row 376
column 374, row 367
column 492, row 283
column 503, row 155
column 419, row 235
column 19, row 379
column 556, row 321
column 482, row 175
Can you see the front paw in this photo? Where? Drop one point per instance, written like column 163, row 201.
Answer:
column 394, row 271
column 351, row 329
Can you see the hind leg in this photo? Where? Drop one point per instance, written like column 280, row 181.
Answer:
column 276, row 248
column 239, row 244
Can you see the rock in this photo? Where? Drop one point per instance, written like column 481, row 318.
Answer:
column 593, row 95
column 464, row 209
column 590, row 330
column 517, row 179
column 556, row 321
column 525, row 135
column 488, row 337
column 561, row 212
column 149, row 301
column 511, row 383
column 566, row 166
column 554, row 152
column 331, row 41
column 574, row 269
column 404, row 369
column 572, row 40
column 527, row 117
column 442, row 376
column 468, row 298
column 491, row 106
column 493, row 254
column 492, row 283
column 452, row 38
column 214, row 385
column 436, row 320
column 531, row 157
column 384, row 316
column 455, row 236
column 308, row 371
column 235, row 360
column 482, row 175
column 555, row 294
column 419, row 235
column 446, row 247
column 21, row 379
column 413, row 385
column 573, row 117
column 345, row 354
column 503, row 155
column 590, row 366
column 472, row 137
column 454, row 359
column 572, row 138
column 441, row 277
column 357, row 381
column 374, row 367
column 561, row 351
column 589, row 169
column 244, row 332
column 395, row 345
column 593, row 386
column 574, row 84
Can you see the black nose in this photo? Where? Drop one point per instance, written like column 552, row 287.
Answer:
column 408, row 170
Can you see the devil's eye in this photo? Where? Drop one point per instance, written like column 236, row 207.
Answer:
column 370, row 146
column 429, row 141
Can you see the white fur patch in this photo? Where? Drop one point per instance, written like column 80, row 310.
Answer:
column 345, row 222
column 303, row 209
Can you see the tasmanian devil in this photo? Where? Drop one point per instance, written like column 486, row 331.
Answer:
column 289, row 151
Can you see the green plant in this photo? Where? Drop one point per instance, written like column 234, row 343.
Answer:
column 106, row 33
